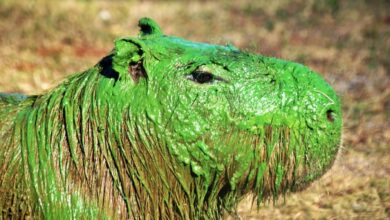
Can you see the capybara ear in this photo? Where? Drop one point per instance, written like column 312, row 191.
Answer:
column 127, row 60
column 149, row 28
column 127, row 57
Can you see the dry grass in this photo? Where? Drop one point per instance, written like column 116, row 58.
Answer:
column 347, row 41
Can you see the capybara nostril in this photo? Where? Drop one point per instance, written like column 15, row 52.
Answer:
column 330, row 115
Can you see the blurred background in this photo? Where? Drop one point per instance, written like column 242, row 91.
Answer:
column 347, row 41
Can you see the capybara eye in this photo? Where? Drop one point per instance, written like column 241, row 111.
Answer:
column 201, row 77
column 330, row 115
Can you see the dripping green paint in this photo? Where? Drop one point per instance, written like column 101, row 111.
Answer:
column 166, row 128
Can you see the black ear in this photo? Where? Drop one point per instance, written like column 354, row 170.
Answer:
column 149, row 27
column 107, row 69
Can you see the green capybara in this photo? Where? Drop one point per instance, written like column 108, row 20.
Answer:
column 165, row 128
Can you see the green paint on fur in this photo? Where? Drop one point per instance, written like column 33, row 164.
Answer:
column 166, row 128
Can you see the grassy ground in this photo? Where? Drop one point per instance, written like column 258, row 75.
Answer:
column 348, row 41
